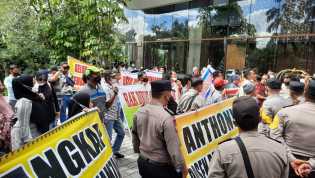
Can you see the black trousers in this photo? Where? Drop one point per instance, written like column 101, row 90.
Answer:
column 293, row 175
column 151, row 170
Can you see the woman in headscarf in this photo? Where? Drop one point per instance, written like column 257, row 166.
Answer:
column 47, row 92
column 31, row 113
column 6, row 115
column 79, row 102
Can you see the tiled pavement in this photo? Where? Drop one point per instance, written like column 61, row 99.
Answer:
column 128, row 165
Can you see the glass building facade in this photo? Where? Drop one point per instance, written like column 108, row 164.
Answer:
column 229, row 34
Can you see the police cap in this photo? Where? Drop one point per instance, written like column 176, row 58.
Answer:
column 246, row 112
column 274, row 83
column 160, row 86
column 297, row 86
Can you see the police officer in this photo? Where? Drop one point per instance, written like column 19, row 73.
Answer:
column 295, row 127
column 154, row 136
column 266, row 157
column 296, row 92
column 273, row 103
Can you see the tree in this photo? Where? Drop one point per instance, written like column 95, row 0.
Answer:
column 84, row 29
column 20, row 36
column 36, row 33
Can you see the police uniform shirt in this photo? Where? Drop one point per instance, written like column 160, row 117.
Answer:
column 269, row 109
column 295, row 127
column 268, row 158
column 154, row 135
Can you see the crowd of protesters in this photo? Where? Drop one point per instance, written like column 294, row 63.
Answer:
column 266, row 106
column 37, row 103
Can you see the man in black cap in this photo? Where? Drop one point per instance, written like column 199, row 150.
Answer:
column 154, row 136
column 192, row 100
column 295, row 127
column 273, row 103
column 296, row 92
column 266, row 157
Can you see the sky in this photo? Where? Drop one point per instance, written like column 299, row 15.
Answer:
column 142, row 23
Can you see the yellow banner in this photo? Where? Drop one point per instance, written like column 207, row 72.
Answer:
column 78, row 148
column 77, row 68
column 201, row 131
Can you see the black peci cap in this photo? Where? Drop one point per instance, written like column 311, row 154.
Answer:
column 297, row 86
column 196, row 81
column 160, row 86
column 246, row 112
column 274, row 83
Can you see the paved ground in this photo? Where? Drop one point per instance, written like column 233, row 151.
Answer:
column 128, row 165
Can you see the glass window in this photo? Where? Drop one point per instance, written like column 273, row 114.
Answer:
column 163, row 26
column 180, row 24
column 212, row 52
column 255, row 33
column 134, row 28
column 150, row 23
column 223, row 20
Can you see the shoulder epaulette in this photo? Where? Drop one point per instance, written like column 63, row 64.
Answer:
column 274, row 139
column 288, row 106
column 225, row 141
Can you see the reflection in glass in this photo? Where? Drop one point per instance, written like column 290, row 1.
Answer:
column 290, row 17
column 264, row 31
column 220, row 21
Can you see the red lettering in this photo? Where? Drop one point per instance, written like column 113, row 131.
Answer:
column 127, row 99
column 79, row 68
column 140, row 97
column 134, row 98
column 78, row 81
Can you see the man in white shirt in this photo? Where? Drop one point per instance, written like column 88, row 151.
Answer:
column 112, row 116
column 14, row 72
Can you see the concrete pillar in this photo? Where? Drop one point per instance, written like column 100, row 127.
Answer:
column 195, row 36
column 139, row 60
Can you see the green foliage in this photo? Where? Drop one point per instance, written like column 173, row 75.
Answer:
column 37, row 33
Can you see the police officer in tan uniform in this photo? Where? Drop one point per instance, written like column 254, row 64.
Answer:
column 266, row 157
column 295, row 127
column 297, row 92
column 273, row 103
column 155, row 138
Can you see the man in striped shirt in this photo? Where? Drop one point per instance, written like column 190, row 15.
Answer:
column 192, row 100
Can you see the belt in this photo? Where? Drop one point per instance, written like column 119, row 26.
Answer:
column 305, row 158
column 153, row 162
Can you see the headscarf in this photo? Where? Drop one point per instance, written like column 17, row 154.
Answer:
column 22, row 88
column 78, row 102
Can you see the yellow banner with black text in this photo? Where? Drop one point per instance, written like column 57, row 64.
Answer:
column 201, row 131
column 78, row 148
